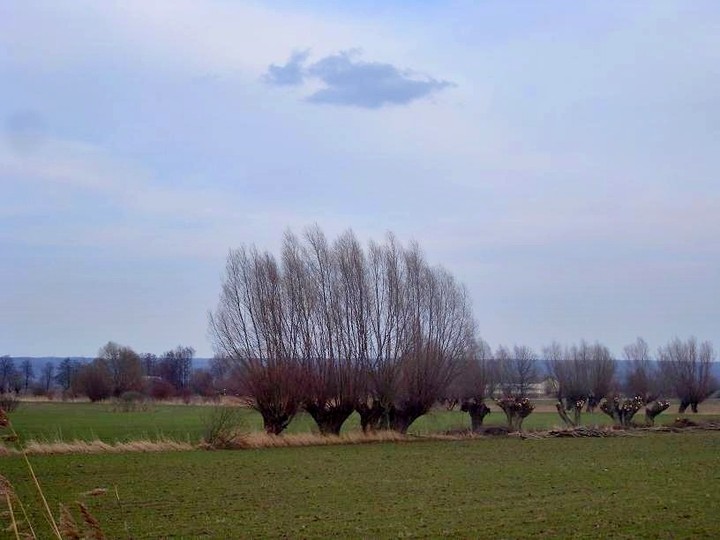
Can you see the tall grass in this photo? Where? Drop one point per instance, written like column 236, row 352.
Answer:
column 67, row 529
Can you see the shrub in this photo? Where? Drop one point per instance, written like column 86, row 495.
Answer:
column 93, row 380
column 159, row 389
column 9, row 402
column 221, row 427
column 131, row 401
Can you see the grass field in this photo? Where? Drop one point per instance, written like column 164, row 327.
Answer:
column 50, row 421
column 661, row 485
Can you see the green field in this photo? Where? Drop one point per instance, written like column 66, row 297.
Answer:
column 52, row 421
column 69, row 421
column 661, row 485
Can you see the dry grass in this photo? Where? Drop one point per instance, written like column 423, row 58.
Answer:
column 100, row 447
column 264, row 440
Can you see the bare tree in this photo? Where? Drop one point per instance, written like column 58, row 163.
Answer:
column 7, row 372
column 388, row 328
column 64, row 373
column 569, row 372
column 175, row 366
column 28, row 373
column 621, row 410
column 643, row 379
column 202, row 383
column 48, row 375
column 601, row 373
column 421, row 328
column 518, row 371
column 149, row 363
column 583, row 375
column 250, row 329
column 381, row 332
column 93, row 380
column 686, row 368
column 477, row 382
column 124, row 366
column 327, row 292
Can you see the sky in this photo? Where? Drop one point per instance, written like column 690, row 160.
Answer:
column 562, row 159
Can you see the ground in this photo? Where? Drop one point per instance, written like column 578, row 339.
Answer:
column 655, row 485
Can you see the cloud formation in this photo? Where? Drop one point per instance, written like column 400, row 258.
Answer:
column 290, row 74
column 352, row 82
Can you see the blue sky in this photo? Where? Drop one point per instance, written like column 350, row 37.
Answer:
column 562, row 159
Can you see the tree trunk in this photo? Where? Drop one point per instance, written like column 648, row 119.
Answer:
column 654, row 409
column 477, row 412
column 275, row 424
column 402, row 419
column 329, row 418
column 372, row 417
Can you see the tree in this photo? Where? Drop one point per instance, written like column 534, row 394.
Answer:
column 65, row 372
column 686, row 368
column 569, row 372
column 583, row 375
column 621, row 410
column 149, row 364
column 28, row 373
column 420, row 331
column 202, row 383
column 603, row 368
column 250, row 329
column 175, row 366
column 7, row 373
column 477, row 382
column 48, row 375
column 326, row 290
column 123, row 365
column 518, row 370
column 643, row 379
column 93, row 380
column 329, row 328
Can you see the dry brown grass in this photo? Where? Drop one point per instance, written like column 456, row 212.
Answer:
column 265, row 440
column 100, row 447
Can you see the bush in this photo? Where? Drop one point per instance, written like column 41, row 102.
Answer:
column 131, row 401
column 9, row 402
column 222, row 426
column 93, row 380
column 160, row 389
column 38, row 390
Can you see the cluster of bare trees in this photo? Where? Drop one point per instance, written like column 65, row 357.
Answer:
column 686, row 368
column 586, row 375
column 582, row 376
column 15, row 378
column 332, row 328
column 118, row 369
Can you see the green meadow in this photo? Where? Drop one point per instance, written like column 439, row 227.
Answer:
column 645, row 485
column 658, row 485
column 68, row 421
column 51, row 421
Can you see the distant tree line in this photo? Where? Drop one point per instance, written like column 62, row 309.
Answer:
column 117, row 369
